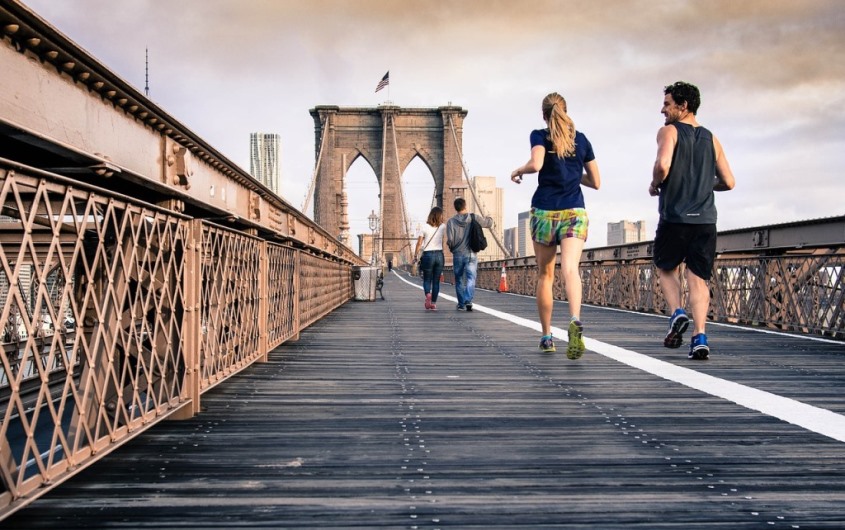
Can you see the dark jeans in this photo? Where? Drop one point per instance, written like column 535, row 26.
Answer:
column 431, row 264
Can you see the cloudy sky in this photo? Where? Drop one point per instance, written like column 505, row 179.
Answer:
column 771, row 73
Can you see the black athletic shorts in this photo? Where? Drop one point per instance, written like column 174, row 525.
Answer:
column 675, row 243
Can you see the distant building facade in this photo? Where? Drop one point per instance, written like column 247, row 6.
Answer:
column 626, row 232
column 491, row 199
column 264, row 159
column 525, row 247
column 511, row 241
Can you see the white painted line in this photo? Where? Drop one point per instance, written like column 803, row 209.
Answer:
column 723, row 325
column 815, row 419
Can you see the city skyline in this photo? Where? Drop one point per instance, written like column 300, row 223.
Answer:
column 773, row 102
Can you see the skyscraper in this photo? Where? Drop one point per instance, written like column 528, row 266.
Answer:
column 264, row 156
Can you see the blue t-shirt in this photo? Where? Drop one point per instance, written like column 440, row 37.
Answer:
column 559, row 181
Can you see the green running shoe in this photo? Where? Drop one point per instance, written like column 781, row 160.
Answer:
column 575, row 348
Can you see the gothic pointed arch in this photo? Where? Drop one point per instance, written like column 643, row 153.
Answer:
column 366, row 156
column 389, row 138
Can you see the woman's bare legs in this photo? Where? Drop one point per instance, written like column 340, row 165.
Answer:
column 546, row 257
column 570, row 263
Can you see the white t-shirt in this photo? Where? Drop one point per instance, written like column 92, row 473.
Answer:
column 432, row 237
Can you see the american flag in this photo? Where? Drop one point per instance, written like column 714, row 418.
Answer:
column 384, row 81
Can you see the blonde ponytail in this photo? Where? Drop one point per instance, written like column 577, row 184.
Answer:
column 561, row 126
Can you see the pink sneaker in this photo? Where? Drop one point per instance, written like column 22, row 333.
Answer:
column 428, row 304
column 433, row 307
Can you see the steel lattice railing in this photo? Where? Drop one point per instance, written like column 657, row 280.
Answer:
column 802, row 291
column 117, row 314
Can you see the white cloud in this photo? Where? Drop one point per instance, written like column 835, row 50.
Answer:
column 773, row 95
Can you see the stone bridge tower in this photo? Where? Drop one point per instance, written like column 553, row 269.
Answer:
column 388, row 138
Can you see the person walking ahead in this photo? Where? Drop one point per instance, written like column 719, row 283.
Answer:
column 565, row 161
column 431, row 261
column 464, row 260
column 690, row 166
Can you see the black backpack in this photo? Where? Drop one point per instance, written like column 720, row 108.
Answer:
column 477, row 241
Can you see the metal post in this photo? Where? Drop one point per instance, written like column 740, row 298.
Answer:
column 192, row 325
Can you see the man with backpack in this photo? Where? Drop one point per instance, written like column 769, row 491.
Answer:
column 459, row 238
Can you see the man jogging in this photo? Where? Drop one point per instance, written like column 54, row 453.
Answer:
column 690, row 166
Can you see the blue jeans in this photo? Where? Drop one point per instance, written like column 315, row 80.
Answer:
column 431, row 265
column 466, row 268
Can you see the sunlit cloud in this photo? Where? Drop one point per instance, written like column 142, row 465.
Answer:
column 770, row 71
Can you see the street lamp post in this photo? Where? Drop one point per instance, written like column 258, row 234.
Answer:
column 374, row 227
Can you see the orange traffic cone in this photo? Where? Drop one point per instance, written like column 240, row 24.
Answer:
column 503, row 281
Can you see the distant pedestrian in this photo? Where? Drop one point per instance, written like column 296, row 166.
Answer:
column 690, row 166
column 565, row 161
column 464, row 260
column 429, row 252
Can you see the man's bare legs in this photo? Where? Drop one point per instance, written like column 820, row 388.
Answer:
column 699, row 295
column 670, row 283
column 699, row 300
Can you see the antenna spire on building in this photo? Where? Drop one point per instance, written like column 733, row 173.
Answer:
column 147, row 72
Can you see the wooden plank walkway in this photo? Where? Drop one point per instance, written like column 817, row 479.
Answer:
column 384, row 415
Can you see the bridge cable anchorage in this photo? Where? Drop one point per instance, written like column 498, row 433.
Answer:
column 309, row 195
column 472, row 189
column 402, row 205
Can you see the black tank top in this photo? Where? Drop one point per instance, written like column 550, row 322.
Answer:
column 687, row 193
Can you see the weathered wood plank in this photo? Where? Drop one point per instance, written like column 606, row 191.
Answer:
column 384, row 415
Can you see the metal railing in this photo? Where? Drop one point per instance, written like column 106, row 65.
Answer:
column 118, row 314
column 796, row 285
column 120, row 310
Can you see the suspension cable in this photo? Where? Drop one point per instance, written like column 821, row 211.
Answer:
column 471, row 185
column 402, row 205
column 310, row 193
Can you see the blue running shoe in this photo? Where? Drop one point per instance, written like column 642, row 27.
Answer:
column 547, row 344
column 677, row 325
column 698, row 348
